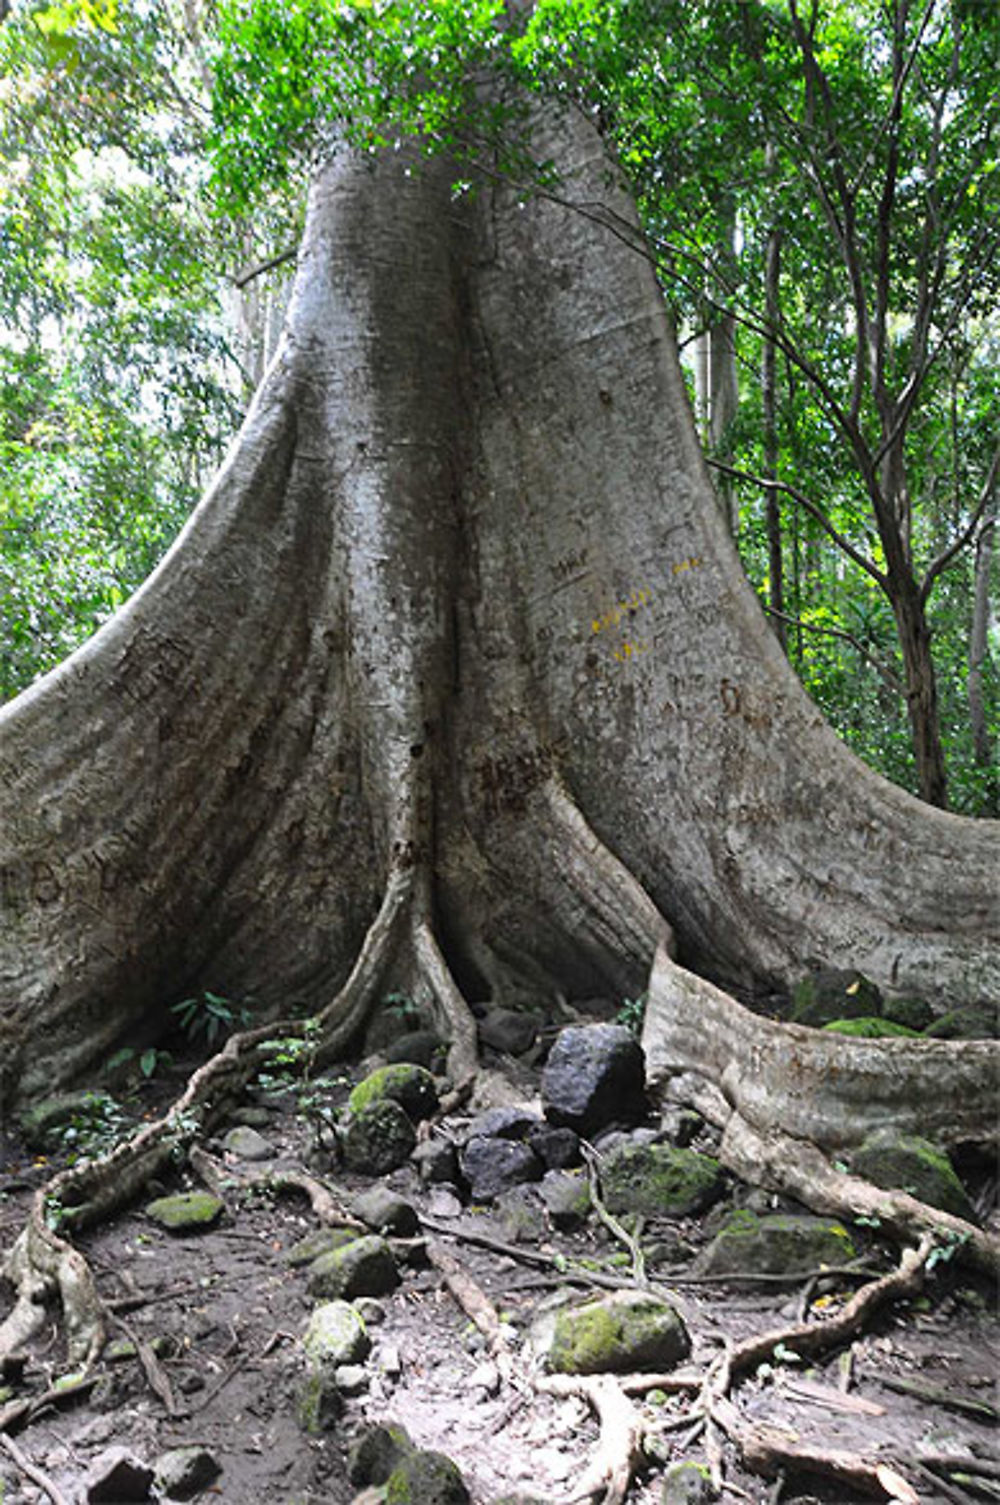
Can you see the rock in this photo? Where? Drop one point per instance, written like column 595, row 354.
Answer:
column 520, row 1216
column 379, row 1138
column 514, row 1122
column 444, row 1202
column 620, row 1333
column 187, row 1212
column 364, row 1267
column 594, row 1076
column 319, row 1403
column 915, row 1013
column 436, row 1161
column 251, row 1117
column 557, row 1149
column 567, row 1198
column 909, row 1163
column 335, row 1335
column 775, row 1244
column 687, row 1484
column 352, row 1379
column 679, row 1126
column 384, row 1211
column 508, row 1030
column 374, row 1453
column 117, row 1474
column 418, row 1047
column 247, row 1144
column 320, row 1241
column 391, row 1023
column 659, row 1180
column 833, row 993
column 866, row 1027
column 183, row 1472
column 385, row 1456
column 412, row 1087
column 426, row 1478
column 493, row 1166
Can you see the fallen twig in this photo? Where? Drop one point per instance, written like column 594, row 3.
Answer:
column 31, row 1472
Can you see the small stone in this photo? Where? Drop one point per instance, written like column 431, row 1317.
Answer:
column 520, row 1216
column 628, row 1330
column 352, row 1379
column 248, row 1144
column 503, row 1123
column 418, row 1047
column 364, row 1267
column 557, row 1149
column 372, row 1311
column 336, row 1335
column 384, row 1211
column 319, row 1404
column 444, row 1202
column 687, row 1484
column 775, row 1244
column 509, row 1031
column 567, row 1198
column 436, row 1161
column 251, row 1117
column 182, row 1472
column 379, row 1138
column 594, row 1076
column 374, row 1453
column 912, row 1164
column 187, row 1212
column 390, row 1361
column 493, row 1166
column 485, row 1377
column 657, row 1180
column 118, row 1475
column 412, row 1087
column 320, row 1241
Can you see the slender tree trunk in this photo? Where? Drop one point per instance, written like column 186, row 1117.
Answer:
column 453, row 680
column 983, row 743
column 769, row 399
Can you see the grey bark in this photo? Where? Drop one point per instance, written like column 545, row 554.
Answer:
column 452, row 681
column 984, row 743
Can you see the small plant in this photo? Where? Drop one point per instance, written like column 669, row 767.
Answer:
column 210, row 1017
column 631, row 1013
column 402, row 1006
column 149, row 1061
column 947, row 1249
column 95, row 1127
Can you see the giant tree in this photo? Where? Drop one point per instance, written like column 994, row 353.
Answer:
column 453, row 683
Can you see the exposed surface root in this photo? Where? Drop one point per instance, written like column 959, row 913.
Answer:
column 619, row 1446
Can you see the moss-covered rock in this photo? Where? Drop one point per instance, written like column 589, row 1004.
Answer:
column 335, row 1335
column 187, row 1212
column 908, row 1163
column 319, row 1403
column 625, row 1331
column 320, row 1241
column 378, row 1139
column 833, row 993
column 774, row 1244
column 425, row 1478
column 364, row 1267
column 867, row 1027
column 659, row 1180
column 375, row 1452
column 687, row 1484
column 385, row 1457
column 411, row 1086
column 973, row 1022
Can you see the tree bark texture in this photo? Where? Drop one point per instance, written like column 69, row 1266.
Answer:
column 453, row 680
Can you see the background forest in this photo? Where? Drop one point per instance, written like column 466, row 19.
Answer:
column 818, row 185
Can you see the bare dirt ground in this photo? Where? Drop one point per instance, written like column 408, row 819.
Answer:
column 225, row 1312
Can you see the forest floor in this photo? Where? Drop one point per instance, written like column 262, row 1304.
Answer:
column 228, row 1311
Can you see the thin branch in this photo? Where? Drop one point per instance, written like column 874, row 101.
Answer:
column 260, row 267
column 813, row 510
column 883, row 670
column 964, row 538
column 897, row 97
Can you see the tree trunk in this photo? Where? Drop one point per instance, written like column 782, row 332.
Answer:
column 921, row 688
column 769, row 404
column 983, row 744
column 453, row 681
